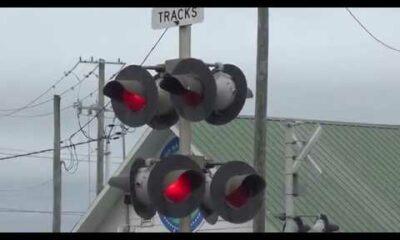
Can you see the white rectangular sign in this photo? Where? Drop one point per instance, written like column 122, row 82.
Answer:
column 171, row 17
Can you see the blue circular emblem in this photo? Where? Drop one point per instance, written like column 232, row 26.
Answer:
column 172, row 224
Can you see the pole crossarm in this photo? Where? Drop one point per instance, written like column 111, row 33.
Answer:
column 92, row 61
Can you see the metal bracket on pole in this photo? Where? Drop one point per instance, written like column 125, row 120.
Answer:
column 306, row 149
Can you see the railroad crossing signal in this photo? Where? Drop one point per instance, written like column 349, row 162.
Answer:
column 173, row 186
column 137, row 99
column 181, row 87
column 235, row 193
column 176, row 185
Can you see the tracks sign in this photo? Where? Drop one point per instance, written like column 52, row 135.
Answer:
column 171, row 17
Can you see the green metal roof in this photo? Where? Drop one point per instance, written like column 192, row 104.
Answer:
column 359, row 185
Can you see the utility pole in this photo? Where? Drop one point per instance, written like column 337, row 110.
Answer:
column 99, row 108
column 107, row 153
column 259, row 221
column 185, row 135
column 100, row 129
column 57, row 167
column 123, row 133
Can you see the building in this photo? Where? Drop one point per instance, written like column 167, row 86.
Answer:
column 358, row 188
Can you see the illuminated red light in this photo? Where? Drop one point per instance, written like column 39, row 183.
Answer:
column 133, row 101
column 179, row 190
column 238, row 197
column 192, row 98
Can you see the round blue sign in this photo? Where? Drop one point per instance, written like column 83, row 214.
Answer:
column 172, row 224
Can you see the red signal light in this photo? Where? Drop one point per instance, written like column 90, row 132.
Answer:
column 192, row 98
column 238, row 197
column 133, row 101
column 179, row 190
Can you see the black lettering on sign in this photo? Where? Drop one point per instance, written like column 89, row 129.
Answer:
column 187, row 12
column 166, row 16
column 160, row 14
column 173, row 16
column 180, row 14
column 194, row 12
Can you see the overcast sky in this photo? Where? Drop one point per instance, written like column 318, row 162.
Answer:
column 322, row 66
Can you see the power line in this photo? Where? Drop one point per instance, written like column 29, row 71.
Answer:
column 372, row 35
column 90, row 120
column 16, row 210
column 28, row 187
column 99, row 111
column 81, row 128
column 62, row 158
column 18, row 150
column 80, row 80
column 144, row 60
column 15, row 110
column 72, row 88
column 41, row 114
column 48, row 150
column 154, row 46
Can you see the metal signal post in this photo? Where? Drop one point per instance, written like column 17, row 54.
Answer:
column 185, row 133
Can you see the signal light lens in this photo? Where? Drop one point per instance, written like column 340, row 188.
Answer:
column 133, row 101
column 192, row 98
column 179, row 190
column 238, row 197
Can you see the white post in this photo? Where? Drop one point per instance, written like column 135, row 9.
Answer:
column 289, row 181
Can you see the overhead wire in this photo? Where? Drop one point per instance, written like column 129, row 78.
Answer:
column 154, row 46
column 72, row 88
column 28, row 187
column 370, row 34
column 48, row 150
column 15, row 110
column 62, row 157
column 99, row 111
column 89, row 121
column 42, row 114
column 17, row 210
column 18, row 150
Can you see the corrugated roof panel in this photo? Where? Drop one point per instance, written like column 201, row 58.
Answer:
column 358, row 188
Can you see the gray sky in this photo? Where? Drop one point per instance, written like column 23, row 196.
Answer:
column 322, row 66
